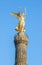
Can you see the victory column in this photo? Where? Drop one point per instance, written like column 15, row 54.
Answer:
column 20, row 40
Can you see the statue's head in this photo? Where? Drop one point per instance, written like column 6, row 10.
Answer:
column 23, row 14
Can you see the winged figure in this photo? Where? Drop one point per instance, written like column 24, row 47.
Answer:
column 21, row 23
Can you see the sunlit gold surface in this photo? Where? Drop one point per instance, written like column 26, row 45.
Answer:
column 21, row 23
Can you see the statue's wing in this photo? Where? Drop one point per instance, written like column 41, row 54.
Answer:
column 16, row 14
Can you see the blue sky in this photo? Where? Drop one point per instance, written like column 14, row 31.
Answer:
column 33, row 30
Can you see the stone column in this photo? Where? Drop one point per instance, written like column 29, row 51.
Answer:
column 21, row 41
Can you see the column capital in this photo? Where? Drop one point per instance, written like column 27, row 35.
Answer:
column 21, row 38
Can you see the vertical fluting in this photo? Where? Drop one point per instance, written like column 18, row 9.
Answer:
column 20, row 41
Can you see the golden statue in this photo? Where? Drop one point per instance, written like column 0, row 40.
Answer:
column 21, row 24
